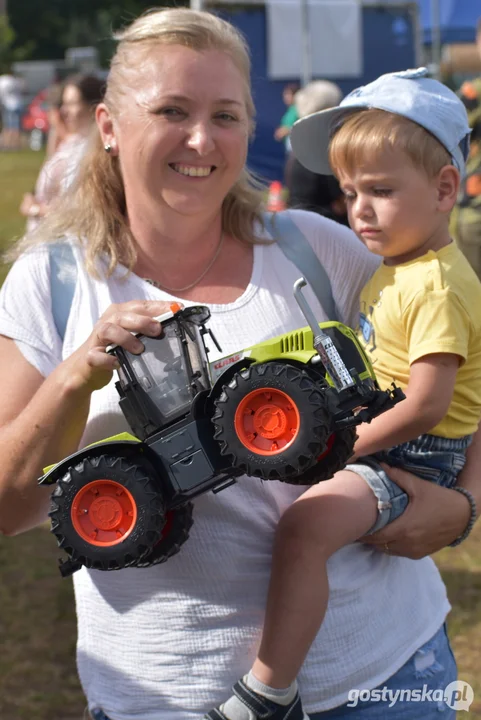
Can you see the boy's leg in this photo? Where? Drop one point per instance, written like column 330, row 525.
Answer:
column 327, row 517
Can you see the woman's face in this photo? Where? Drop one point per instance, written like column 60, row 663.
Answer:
column 182, row 131
column 75, row 113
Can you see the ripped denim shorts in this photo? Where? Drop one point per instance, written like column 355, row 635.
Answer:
column 419, row 690
column 432, row 458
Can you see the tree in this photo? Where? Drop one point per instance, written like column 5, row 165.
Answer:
column 8, row 52
column 71, row 23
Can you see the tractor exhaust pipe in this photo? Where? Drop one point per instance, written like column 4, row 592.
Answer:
column 323, row 344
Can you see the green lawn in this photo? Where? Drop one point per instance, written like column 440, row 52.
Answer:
column 38, row 679
column 18, row 171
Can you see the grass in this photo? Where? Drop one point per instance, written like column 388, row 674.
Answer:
column 38, row 675
column 38, row 678
column 461, row 571
column 18, row 171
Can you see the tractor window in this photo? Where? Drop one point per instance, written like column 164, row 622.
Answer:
column 162, row 373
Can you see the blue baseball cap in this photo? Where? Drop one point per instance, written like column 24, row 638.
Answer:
column 409, row 93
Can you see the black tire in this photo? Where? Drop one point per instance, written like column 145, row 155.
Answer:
column 134, row 474
column 335, row 459
column 312, row 433
column 174, row 534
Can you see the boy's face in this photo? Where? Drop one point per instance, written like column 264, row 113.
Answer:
column 393, row 207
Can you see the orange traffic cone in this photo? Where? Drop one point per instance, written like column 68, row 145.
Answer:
column 275, row 199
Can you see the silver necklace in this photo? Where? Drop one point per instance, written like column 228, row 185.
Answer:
column 196, row 282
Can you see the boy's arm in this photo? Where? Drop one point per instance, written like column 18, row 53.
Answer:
column 428, row 396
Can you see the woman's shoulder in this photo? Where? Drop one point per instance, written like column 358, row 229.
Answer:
column 35, row 259
column 327, row 236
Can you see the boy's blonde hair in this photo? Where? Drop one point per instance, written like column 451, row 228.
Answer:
column 367, row 134
column 94, row 208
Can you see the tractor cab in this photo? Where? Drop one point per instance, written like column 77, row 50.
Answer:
column 157, row 388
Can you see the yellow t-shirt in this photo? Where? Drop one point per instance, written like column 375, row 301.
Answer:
column 429, row 305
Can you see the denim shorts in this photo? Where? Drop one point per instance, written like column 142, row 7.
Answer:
column 433, row 458
column 11, row 119
column 428, row 672
column 431, row 668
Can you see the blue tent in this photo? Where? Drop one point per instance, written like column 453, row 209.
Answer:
column 389, row 44
column 458, row 19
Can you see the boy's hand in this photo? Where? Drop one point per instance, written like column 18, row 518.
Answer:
column 434, row 517
column 428, row 396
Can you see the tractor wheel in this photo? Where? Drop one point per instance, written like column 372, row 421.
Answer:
column 273, row 420
column 107, row 512
column 340, row 447
column 174, row 534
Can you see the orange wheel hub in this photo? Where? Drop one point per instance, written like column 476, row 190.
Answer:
column 104, row 513
column 267, row 421
column 329, row 444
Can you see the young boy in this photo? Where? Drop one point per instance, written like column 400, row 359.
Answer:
column 398, row 147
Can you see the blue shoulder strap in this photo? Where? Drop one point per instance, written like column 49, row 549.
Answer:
column 63, row 279
column 298, row 250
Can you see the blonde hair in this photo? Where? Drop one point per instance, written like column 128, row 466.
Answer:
column 94, row 207
column 367, row 134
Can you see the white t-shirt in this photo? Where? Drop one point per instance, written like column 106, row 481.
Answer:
column 167, row 643
column 11, row 89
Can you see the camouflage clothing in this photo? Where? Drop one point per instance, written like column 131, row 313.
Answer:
column 466, row 223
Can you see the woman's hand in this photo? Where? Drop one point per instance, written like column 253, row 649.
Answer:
column 91, row 367
column 27, row 202
column 434, row 517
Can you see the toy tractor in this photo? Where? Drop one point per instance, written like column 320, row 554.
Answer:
column 285, row 409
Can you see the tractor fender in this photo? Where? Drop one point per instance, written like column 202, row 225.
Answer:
column 110, row 445
column 228, row 374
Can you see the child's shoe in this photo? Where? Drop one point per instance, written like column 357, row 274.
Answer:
column 252, row 706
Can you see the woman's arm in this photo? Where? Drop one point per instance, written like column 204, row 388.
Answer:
column 30, row 207
column 470, row 477
column 435, row 516
column 42, row 420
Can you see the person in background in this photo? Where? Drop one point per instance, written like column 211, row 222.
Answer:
column 282, row 133
column 466, row 220
column 164, row 209
column 290, row 116
column 57, row 132
column 11, row 100
column 80, row 95
column 309, row 190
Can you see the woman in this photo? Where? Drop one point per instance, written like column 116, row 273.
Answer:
column 80, row 95
column 164, row 192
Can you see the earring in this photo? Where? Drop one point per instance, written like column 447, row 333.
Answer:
column 107, row 148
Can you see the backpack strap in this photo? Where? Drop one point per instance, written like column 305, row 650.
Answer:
column 63, row 279
column 292, row 242
column 298, row 250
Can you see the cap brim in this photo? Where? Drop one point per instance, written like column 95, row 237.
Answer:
column 310, row 137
